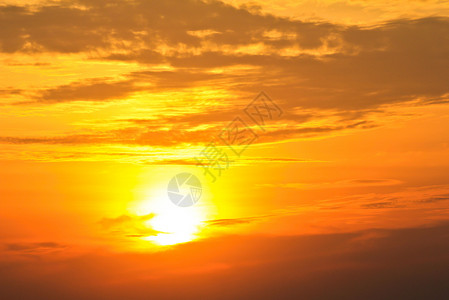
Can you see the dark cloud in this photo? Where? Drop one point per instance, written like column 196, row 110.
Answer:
column 63, row 27
column 435, row 199
column 387, row 204
column 284, row 134
column 33, row 247
column 234, row 221
column 361, row 71
column 91, row 91
column 105, row 89
column 394, row 62
column 10, row 92
column 374, row 264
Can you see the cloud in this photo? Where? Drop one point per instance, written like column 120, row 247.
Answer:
column 328, row 78
column 105, row 89
column 330, row 66
column 10, row 92
column 402, row 263
column 336, row 184
column 380, row 205
column 69, row 139
column 33, row 247
column 193, row 162
column 176, row 136
column 90, row 25
column 435, row 199
column 88, row 91
column 234, row 221
column 129, row 226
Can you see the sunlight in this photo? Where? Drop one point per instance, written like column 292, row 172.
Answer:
column 174, row 224
column 177, row 225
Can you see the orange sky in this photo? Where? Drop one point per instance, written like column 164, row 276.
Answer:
column 103, row 102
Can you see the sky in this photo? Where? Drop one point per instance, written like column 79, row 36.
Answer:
column 327, row 122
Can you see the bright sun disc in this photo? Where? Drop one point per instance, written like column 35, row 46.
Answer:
column 174, row 224
column 177, row 225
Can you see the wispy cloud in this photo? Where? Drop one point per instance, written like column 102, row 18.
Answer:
column 336, row 184
column 129, row 225
column 33, row 248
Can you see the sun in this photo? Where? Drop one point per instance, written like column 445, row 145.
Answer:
column 177, row 225
column 174, row 224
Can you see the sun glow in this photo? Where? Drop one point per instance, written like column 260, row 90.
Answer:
column 173, row 224
column 178, row 225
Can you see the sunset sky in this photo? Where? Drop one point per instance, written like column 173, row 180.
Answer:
column 342, row 193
